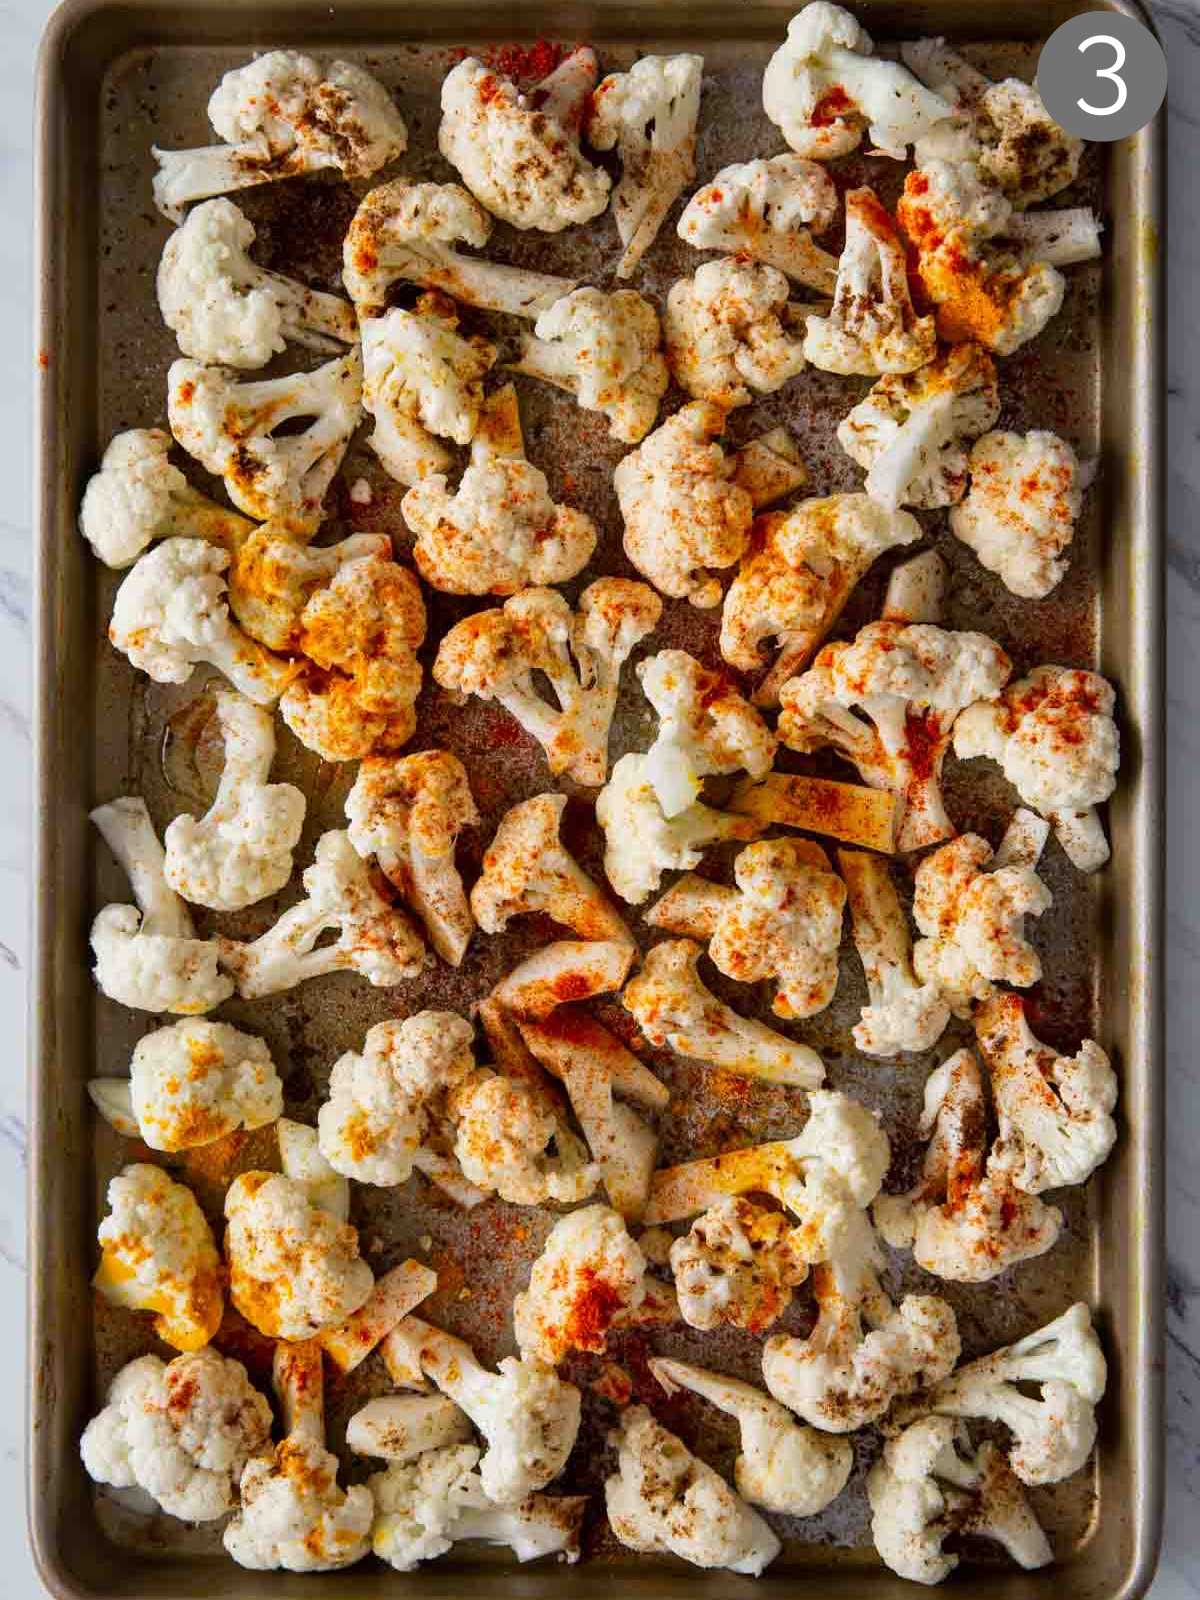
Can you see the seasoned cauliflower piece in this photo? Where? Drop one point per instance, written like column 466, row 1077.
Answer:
column 300, row 1159
column 157, row 1254
column 768, row 211
column 375, row 938
column 519, row 153
column 705, row 728
column 902, row 1012
column 500, row 531
column 408, row 812
column 1055, row 1111
column 929, row 1485
column 738, row 1265
column 235, row 429
column 197, row 1081
column 1055, row 739
column 494, row 654
column 589, row 1272
column 916, row 589
column 182, row 1431
column 910, row 432
column 1020, row 512
column 147, row 956
column 965, row 1220
column 824, row 89
column 272, row 577
column 568, row 969
column 730, row 333
column 400, row 1427
column 606, row 350
column 872, row 327
column 282, row 115
column 663, row 1499
column 240, row 850
column 511, row 1139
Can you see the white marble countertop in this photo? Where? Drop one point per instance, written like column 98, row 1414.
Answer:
column 21, row 23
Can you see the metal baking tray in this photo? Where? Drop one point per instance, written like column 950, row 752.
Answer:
column 117, row 75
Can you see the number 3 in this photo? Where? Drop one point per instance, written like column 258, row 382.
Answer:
column 1112, row 73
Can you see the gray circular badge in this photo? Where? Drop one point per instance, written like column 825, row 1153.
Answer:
column 1102, row 75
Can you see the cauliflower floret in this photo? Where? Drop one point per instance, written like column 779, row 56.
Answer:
column 171, row 615
column 197, row 1081
column 293, row 1269
column 588, row 1273
column 910, row 431
column 1054, row 736
column 738, row 1265
column 901, row 1013
column 800, row 570
column 283, row 114
column 663, row 1499
column 511, row 1140
column 872, row 327
column 786, row 1468
column 500, row 531
column 375, row 938
column 148, row 956
column 157, row 1254
column 138, row 497
column 519, row 153
column 929, row 1486
column 224, row 308
column 782, row 922
column 422, row 381
column 1056, row 1125
column 240, row 850
column 272, row 577
column 182, row 1431
column 730, row 332
column 1020, row 512
column 407, row 812
column 606, row 350
column 1053, row 1432
column 768, row 211
column 230, row 426
column 494, row 654
column 824, row 89
column 911, row 681
column 965, row 1220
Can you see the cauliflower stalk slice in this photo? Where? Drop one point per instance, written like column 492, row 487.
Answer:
column 705, row 728
column 589, row 1272
column 399, row 1428
column 768, row 211
column 737, row 1265
column 301, row 1160
column 730, row 332
column 567, row 970
column 1020, row 512
column 903, row 1013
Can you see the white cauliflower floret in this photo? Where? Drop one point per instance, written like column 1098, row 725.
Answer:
column 281, row 115
column 705, row 728
column 406, row 231
column 824, row 89
column 224, row 308
column 911, row 681
column 137, row 497
column 768, row 211
column 730, row 333
column 872, row 327
column 1054, row 1431
column 500, row 531
column 902, row 1013
column 494, row 654
column 737, row 1265
column 1020, row 511
column 240, row 850
column 511, row 1140
column 171, row 614
column 1056, row 1125
column 606, row 350
column 928, row 1486
column 182, row 1431
column 375, row 938
column 519, row 153
column 197, row 1081
column 648, row 114
column 588, row 1273
column 1055, row 739
column 422, row 382
column 300, row 1158
column 526, row 1413
column 910, row 432
column 230, row 426
column 784, row 1467
column 293, row 1268
column 965, row 1220
column 782, row 922
column 799, row 572
column 663, row 1499
column 147, row 956
column 407, row 812
column 157, row 1254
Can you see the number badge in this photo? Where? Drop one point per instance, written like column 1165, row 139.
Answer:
column 1102, row 76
